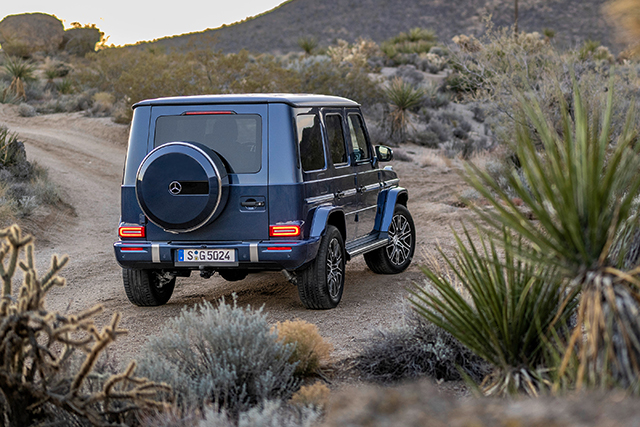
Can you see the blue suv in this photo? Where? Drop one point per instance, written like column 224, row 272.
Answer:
column 237, row 184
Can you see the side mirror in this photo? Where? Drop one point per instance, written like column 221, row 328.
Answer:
column 384, row 153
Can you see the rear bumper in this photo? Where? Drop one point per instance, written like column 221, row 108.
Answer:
column 263, row 255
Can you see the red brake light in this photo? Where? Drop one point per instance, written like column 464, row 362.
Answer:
column 203, row 113
column 131, row 232
column 289, row 230
column 128, row 249
column 279, row 248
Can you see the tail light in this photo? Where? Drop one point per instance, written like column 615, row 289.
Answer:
column 131, row 232
column 288, row 230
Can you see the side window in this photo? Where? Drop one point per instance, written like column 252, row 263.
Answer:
column 358, row 138
column 335, row 137
column 310, row 141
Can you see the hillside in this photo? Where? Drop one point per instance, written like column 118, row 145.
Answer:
column 278, row 30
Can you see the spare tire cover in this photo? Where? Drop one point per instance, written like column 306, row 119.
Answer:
column 182, row 186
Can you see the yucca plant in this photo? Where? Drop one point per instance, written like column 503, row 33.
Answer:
column 402, row 96
column 579, row 184
column 20, row 71
column 308, row 44
column 503, row 309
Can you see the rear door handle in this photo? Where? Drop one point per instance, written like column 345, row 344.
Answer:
column 252, row 204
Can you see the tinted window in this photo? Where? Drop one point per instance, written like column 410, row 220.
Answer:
column 310, row 140
column 358, row 138
column 237, row 138
column 335, row 136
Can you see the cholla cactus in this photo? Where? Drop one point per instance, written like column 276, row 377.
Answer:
column 356, row 54
column 468, row 44
column 36, row 346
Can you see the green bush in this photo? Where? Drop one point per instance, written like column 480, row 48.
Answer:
column 580, row 182
column 224, row 355
column 415, row 41
column 132, row 75
column 504, row 310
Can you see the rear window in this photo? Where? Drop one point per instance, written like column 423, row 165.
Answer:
column 237, row 138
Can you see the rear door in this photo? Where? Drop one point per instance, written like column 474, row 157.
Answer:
column 238, row 134
column 343, row 175
column 367, row 177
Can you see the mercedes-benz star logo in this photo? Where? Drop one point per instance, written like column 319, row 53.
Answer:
column 175, row 188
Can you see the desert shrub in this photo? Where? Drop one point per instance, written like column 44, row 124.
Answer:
column 323, row 76
column 226, row 355
column 440, row 129
column 435, row 98
column 315, row 395
column 415, row 41
column 270, row 413
column 478, row 113
column 426, row 138
column 37, row 383
column 26, row 110
column 24, row 186
column 132, row 75
column 103, row 103
column 417, row 349
column 310, row 351
column 409, row 74
column 354, row 55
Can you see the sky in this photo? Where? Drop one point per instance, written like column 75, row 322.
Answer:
column 127, row 22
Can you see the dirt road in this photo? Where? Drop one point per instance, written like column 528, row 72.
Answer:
column 85, row 158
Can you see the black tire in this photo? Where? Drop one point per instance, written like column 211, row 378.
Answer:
column 233, row 275
column 397, row 255
column 321, row 284
column 147, row 288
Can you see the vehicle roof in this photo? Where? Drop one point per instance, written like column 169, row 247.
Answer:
column 295, row 100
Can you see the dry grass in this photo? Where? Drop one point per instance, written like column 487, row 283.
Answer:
column 311, row 350
column 316, row 395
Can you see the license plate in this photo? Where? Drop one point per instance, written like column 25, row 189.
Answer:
column 208, row 256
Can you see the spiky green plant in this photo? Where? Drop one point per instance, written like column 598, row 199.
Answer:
column 20, row 71
column 402, row 97
column 579, row 184
column 503, row 309
column 65, row 86
column 308, row 44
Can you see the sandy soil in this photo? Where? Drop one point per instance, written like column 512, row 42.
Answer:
column 85, row 158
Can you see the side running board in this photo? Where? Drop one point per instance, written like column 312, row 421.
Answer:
column 365, row 245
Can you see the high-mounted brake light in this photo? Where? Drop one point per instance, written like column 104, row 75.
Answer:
column 131, row 232
column 204, row 113
column 289, row 230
